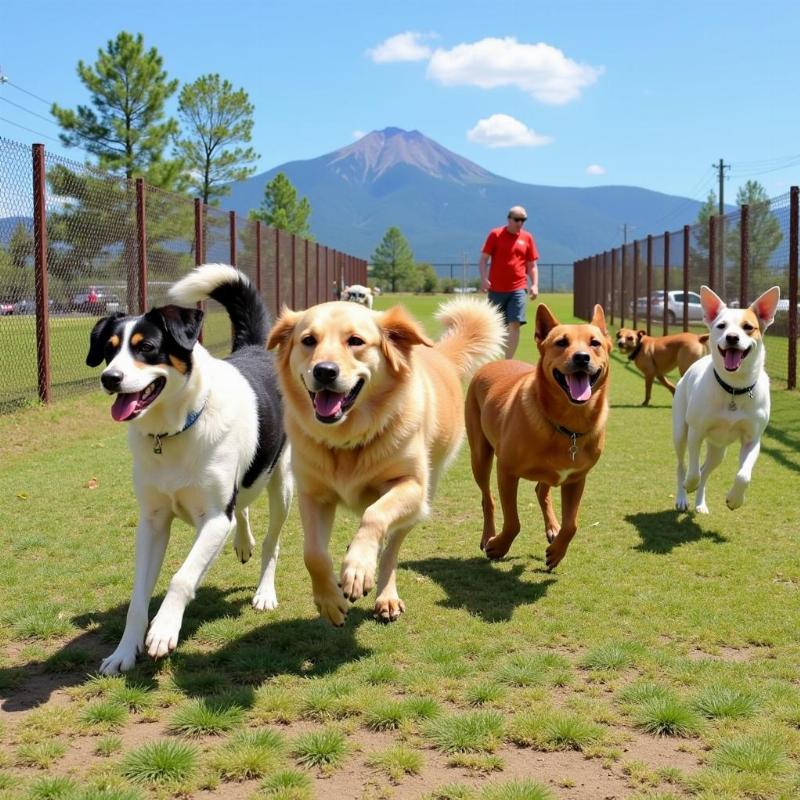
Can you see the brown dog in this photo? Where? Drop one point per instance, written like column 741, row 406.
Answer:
column 373, row 412
column 655, row 356
column 543, row 422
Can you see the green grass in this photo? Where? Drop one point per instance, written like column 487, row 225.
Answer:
column 680, row 624
column 163, row 761
column 397, row 762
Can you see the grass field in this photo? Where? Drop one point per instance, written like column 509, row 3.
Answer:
column 659, row 661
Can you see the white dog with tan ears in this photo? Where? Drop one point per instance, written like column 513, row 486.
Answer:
column 724, row 397
column 356, row 293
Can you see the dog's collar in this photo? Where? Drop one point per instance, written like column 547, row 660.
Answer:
column 573, row 438
column 748, row 390
column 635, row 350
column 733, row 392
column 191, row 418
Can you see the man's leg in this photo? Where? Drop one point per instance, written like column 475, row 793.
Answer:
column 512, row 341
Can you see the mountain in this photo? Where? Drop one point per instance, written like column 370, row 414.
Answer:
column 445, row 204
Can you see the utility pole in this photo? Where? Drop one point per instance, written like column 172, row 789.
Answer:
column 624, row 227
column 721, row 167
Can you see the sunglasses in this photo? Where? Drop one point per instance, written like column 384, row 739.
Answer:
column 518, row 219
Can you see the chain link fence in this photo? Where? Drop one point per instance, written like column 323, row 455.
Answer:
column 739, row 255
column 77, row 244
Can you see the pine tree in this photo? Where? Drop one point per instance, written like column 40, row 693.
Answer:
column 215, row 119
column 393, row 261
column 281, row 209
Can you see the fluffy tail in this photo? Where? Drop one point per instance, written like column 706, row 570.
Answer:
column 474, row 333
column 233, row 290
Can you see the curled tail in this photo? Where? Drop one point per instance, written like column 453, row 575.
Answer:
column 233, row 290
column 474, row 333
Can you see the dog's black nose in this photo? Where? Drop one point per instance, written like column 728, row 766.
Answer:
column 732, row 338
column 326, row 372
column 111, row 379
column 581, row 359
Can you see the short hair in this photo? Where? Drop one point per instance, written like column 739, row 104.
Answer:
column 517, row 211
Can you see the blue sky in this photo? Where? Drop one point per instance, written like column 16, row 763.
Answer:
column 562, row 93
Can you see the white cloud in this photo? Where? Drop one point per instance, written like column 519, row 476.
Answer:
column 540, row 70
column 502, row 130
column 595, row 169
column 359, row 134
column 406, row 46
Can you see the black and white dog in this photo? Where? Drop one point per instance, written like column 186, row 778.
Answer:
column 206, row 436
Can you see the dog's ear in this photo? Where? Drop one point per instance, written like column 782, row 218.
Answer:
column 345, row 294
column 712, row 304
column 401, row 333
column 182, row 324
column 545, row 322
column 98, row 338
column 764, row 307
column 639, row 334
column 283, row 328
column 599, row 319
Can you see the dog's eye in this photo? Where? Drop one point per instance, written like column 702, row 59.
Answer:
column 355, row 341
column 146, row 347
column 721, row 326
column 562, row 342
column 308, row 341
column 748, row 327
column 595, row 343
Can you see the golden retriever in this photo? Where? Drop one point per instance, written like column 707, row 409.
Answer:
column 544, row 423
column 374, row 414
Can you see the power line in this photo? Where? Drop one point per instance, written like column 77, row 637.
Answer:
column 30, row 130
column 4, row 79
column 33, row 113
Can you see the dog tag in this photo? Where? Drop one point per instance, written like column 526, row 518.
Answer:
column 573, row 448
column 157, row 444
column 732, row 405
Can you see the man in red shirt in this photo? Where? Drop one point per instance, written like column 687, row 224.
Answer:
column 513, row 256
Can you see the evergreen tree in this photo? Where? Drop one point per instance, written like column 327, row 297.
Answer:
column 215, row 119
column 126, row 129
column 393, row 261
column 281, row 209
column 20, row 245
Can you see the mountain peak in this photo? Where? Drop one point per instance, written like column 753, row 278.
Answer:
column 380, row 152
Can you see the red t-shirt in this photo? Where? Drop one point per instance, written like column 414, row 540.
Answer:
column 509, row 252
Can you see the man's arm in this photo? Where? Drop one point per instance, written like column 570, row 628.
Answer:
column 482, row 266
column 533, row 274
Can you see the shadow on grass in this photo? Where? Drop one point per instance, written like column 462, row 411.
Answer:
column 297, row 646
column 480, row 587
column 663, row 531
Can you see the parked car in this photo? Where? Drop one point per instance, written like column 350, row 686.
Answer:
column 6, row 308
column 95, row 301
column 674, row 306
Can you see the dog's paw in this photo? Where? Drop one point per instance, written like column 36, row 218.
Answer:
column 265, row 600
column 498, row 546
column 358, row 574
column 691, row 482
column 682, row 500
column 388, row 609
column 243, row 544
column 121, row 660
column 553, row 555
column 162, row 638
column 735, row 497
column 701, row 508
column 551, row 533
column 332, row 606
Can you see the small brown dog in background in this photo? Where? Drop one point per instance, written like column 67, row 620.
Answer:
column 545, row 423
column 655, row 356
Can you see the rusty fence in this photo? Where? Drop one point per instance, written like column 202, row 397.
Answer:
column 76, row 244
column 739, row 255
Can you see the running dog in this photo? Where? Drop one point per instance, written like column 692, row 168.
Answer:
column 374, row 416
column 544, row 423
column 360, row 294
column 206, row 436
column 723, row 397
column 655, row 356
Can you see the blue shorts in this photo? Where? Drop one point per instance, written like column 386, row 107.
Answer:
column 512, row 304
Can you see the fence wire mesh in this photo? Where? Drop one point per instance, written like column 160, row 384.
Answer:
column 114, row 246
column 739, row 255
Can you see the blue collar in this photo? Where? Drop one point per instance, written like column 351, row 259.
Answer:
column 191, row 418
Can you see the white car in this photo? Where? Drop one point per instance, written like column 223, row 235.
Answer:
column 674, row 306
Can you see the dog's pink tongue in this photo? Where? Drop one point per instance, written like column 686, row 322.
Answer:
column 579, row 387
column 733, row 358
column 326, row 403
column 125, row 406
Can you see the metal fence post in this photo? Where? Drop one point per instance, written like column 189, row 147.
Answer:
column 613, row 278
column 794, row 211
column 686, row 277
column 318, row 294
column 637, row 259
column 40, row 275
column 232, row 235
column 744, row 255
column 277, row 270
column 649, row 283
column 666, row 282
column 712, row 251
column 622, row 290
column 258, row 256
column 294, row 270
column 306, row 261
column 141, row 243
column 199, row 249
